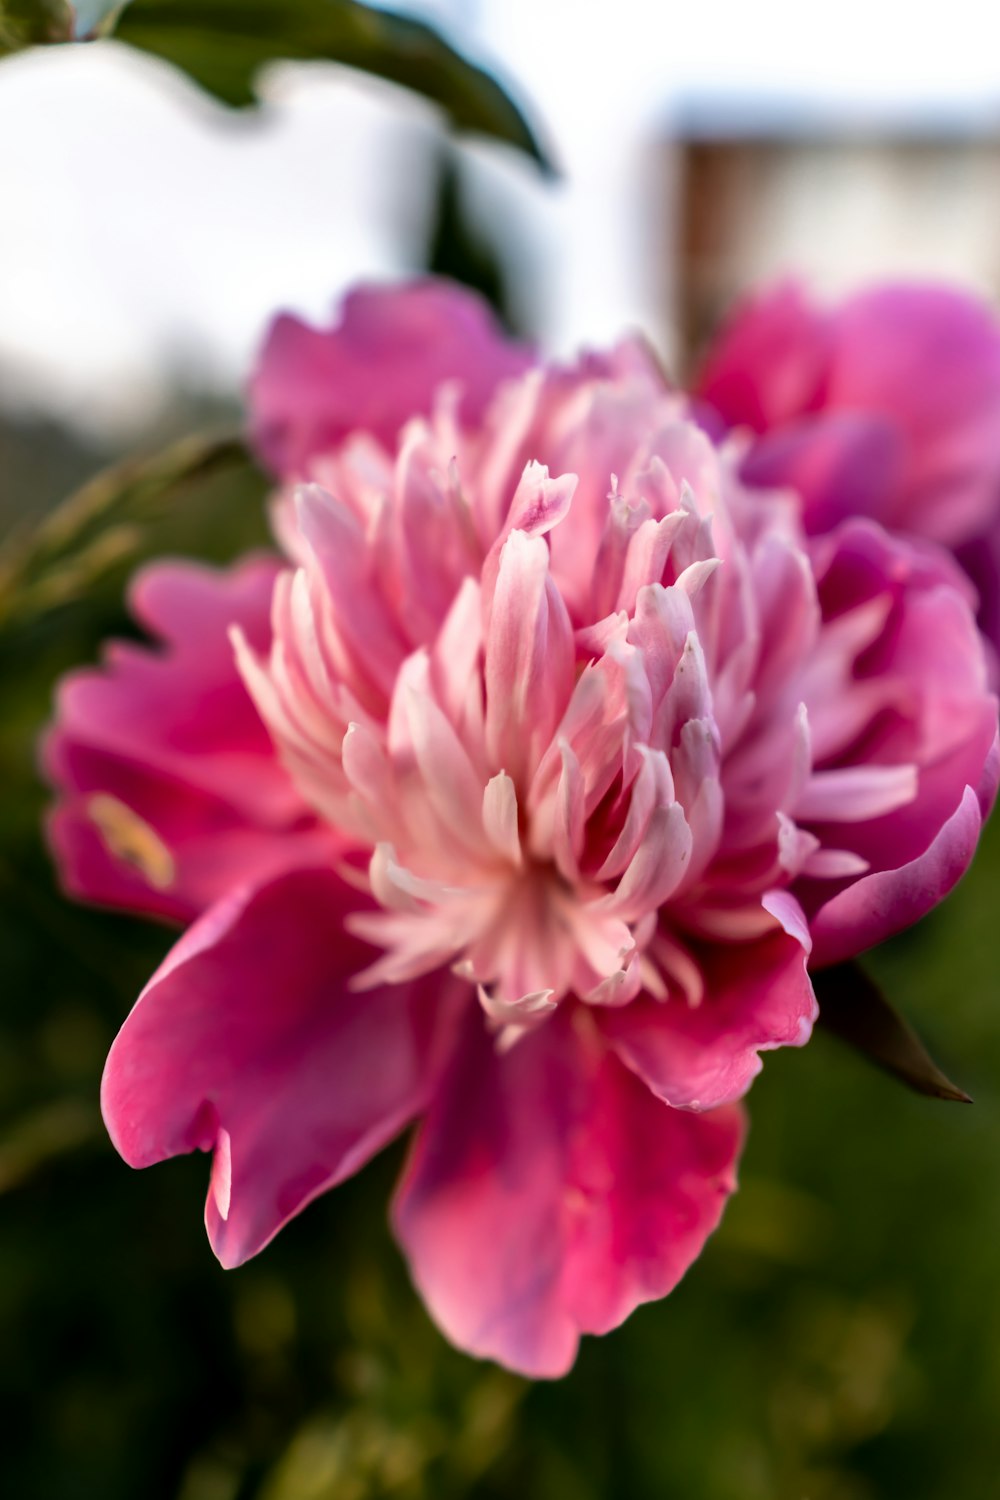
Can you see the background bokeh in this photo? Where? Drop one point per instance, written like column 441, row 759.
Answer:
column 840, row 1337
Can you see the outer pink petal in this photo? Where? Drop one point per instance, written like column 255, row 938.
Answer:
column 880, row 905
column 208, row 848
column 918, row 852
column 758, row 996
column 378, row 366
column 549, row 1193
column 168, row 739
column 182, row 708
column 248, row 1041
column 928, row 358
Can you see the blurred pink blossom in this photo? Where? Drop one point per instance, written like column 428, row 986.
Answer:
column 885, row 406
column 577, row 748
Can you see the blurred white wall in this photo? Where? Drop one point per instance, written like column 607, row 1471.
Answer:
column 146, row 233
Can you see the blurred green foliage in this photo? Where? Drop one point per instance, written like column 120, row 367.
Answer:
column 60, row 559
column 26, row 23
column 839, row 1340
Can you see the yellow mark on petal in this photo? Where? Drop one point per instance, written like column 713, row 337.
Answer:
column 127, row 837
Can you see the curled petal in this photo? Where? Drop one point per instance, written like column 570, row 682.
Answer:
column 247, row 1041
column 883, row 903
column 756, row 996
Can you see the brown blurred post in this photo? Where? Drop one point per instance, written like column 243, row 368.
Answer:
column 837, row 206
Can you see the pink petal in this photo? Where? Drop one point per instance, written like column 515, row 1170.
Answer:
column 768, row 363
column 160, row 850
column 928, row 359
column 182, row 710
column 500, row 818
column 656, row 868
column 248, row 1037
column 879, row 905
column 855, row 794
column 946, row 721
column 170, row 786
column 539, row 503
column 380, row 365
column 652, row 788
column 841, row 463
column 527, row 1212
column 757, row 996
column 529, row 658
column 421, row 737
column 364, row 621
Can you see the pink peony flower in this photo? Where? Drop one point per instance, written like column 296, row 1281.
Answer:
column 886, row 406
column 576, row 749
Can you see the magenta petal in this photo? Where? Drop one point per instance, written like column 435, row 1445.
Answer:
column 880, row 905
column 248, row 1040
column 181, row 708
column 170, row 788
column 947, row 726
column 841, row 463
column 768, row 363
column 378, row 367
column 187, row 850
column 981, row 560
column 928, row 359
column 549, row 1194
column 758, row 996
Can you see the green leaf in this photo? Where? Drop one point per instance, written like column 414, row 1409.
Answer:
column 222, row 45
column 853, row 1007
column 102, row 525
column 25, row 22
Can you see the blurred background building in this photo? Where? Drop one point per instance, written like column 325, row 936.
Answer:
column 766, row 191
column 147, row 234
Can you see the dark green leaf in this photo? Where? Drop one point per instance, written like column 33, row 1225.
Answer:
column 853, row 1007
column 459, row 250
column 222, row 44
